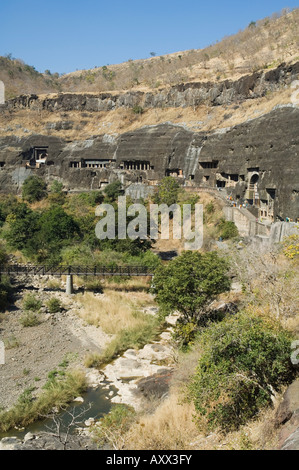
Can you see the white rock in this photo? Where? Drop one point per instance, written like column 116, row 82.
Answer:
column 79, row 399
column 10, row 443
column 94, row 378
column 29, row 437
column 89, row 422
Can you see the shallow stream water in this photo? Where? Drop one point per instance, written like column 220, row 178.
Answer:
column 97, row 403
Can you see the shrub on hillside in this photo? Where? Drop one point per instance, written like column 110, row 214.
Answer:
column 29, row 319
column 22, row 226
column 54, row 305
column 291, row 246
column 113, row 190
column 227, row 230
column 34, row 189
column 168, row 191
column 112, row 427
column 32, row 303
column 8, row 203
column 244, row 361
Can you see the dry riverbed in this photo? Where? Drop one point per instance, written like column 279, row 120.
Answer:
column 61, row 341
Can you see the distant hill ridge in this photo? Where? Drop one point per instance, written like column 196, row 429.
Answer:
column 262, row 45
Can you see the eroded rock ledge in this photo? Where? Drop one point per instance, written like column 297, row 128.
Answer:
column 192, row 94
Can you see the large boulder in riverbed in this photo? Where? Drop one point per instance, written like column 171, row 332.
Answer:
column 157, row 385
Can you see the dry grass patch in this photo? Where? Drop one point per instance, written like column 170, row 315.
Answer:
column 120, row 315
column 134, row 284
column 170, row 427
column 113, row 311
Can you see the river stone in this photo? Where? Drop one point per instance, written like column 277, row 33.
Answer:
column 89, row 422
column 155, row 352
column 129, row 353
column 79, row 400
column 10, row 443
column 29, row 436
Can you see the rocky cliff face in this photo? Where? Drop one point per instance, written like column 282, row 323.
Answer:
column 186, row 94
column 255, row 160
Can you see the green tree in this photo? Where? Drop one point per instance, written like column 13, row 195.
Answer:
column 56, row 195
column 189, row 283
column 8, row 203
column 56, row 228
column 132, row 247
column 34, row 189
column 22, row 227
column 41, row 236
column 113, row 190
column 168, row 191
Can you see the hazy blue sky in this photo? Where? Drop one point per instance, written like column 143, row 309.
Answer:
column 65, row 35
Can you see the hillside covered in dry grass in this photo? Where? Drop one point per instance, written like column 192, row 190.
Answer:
column 262, row 45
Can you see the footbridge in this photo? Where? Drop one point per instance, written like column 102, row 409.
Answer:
column 70, row 271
